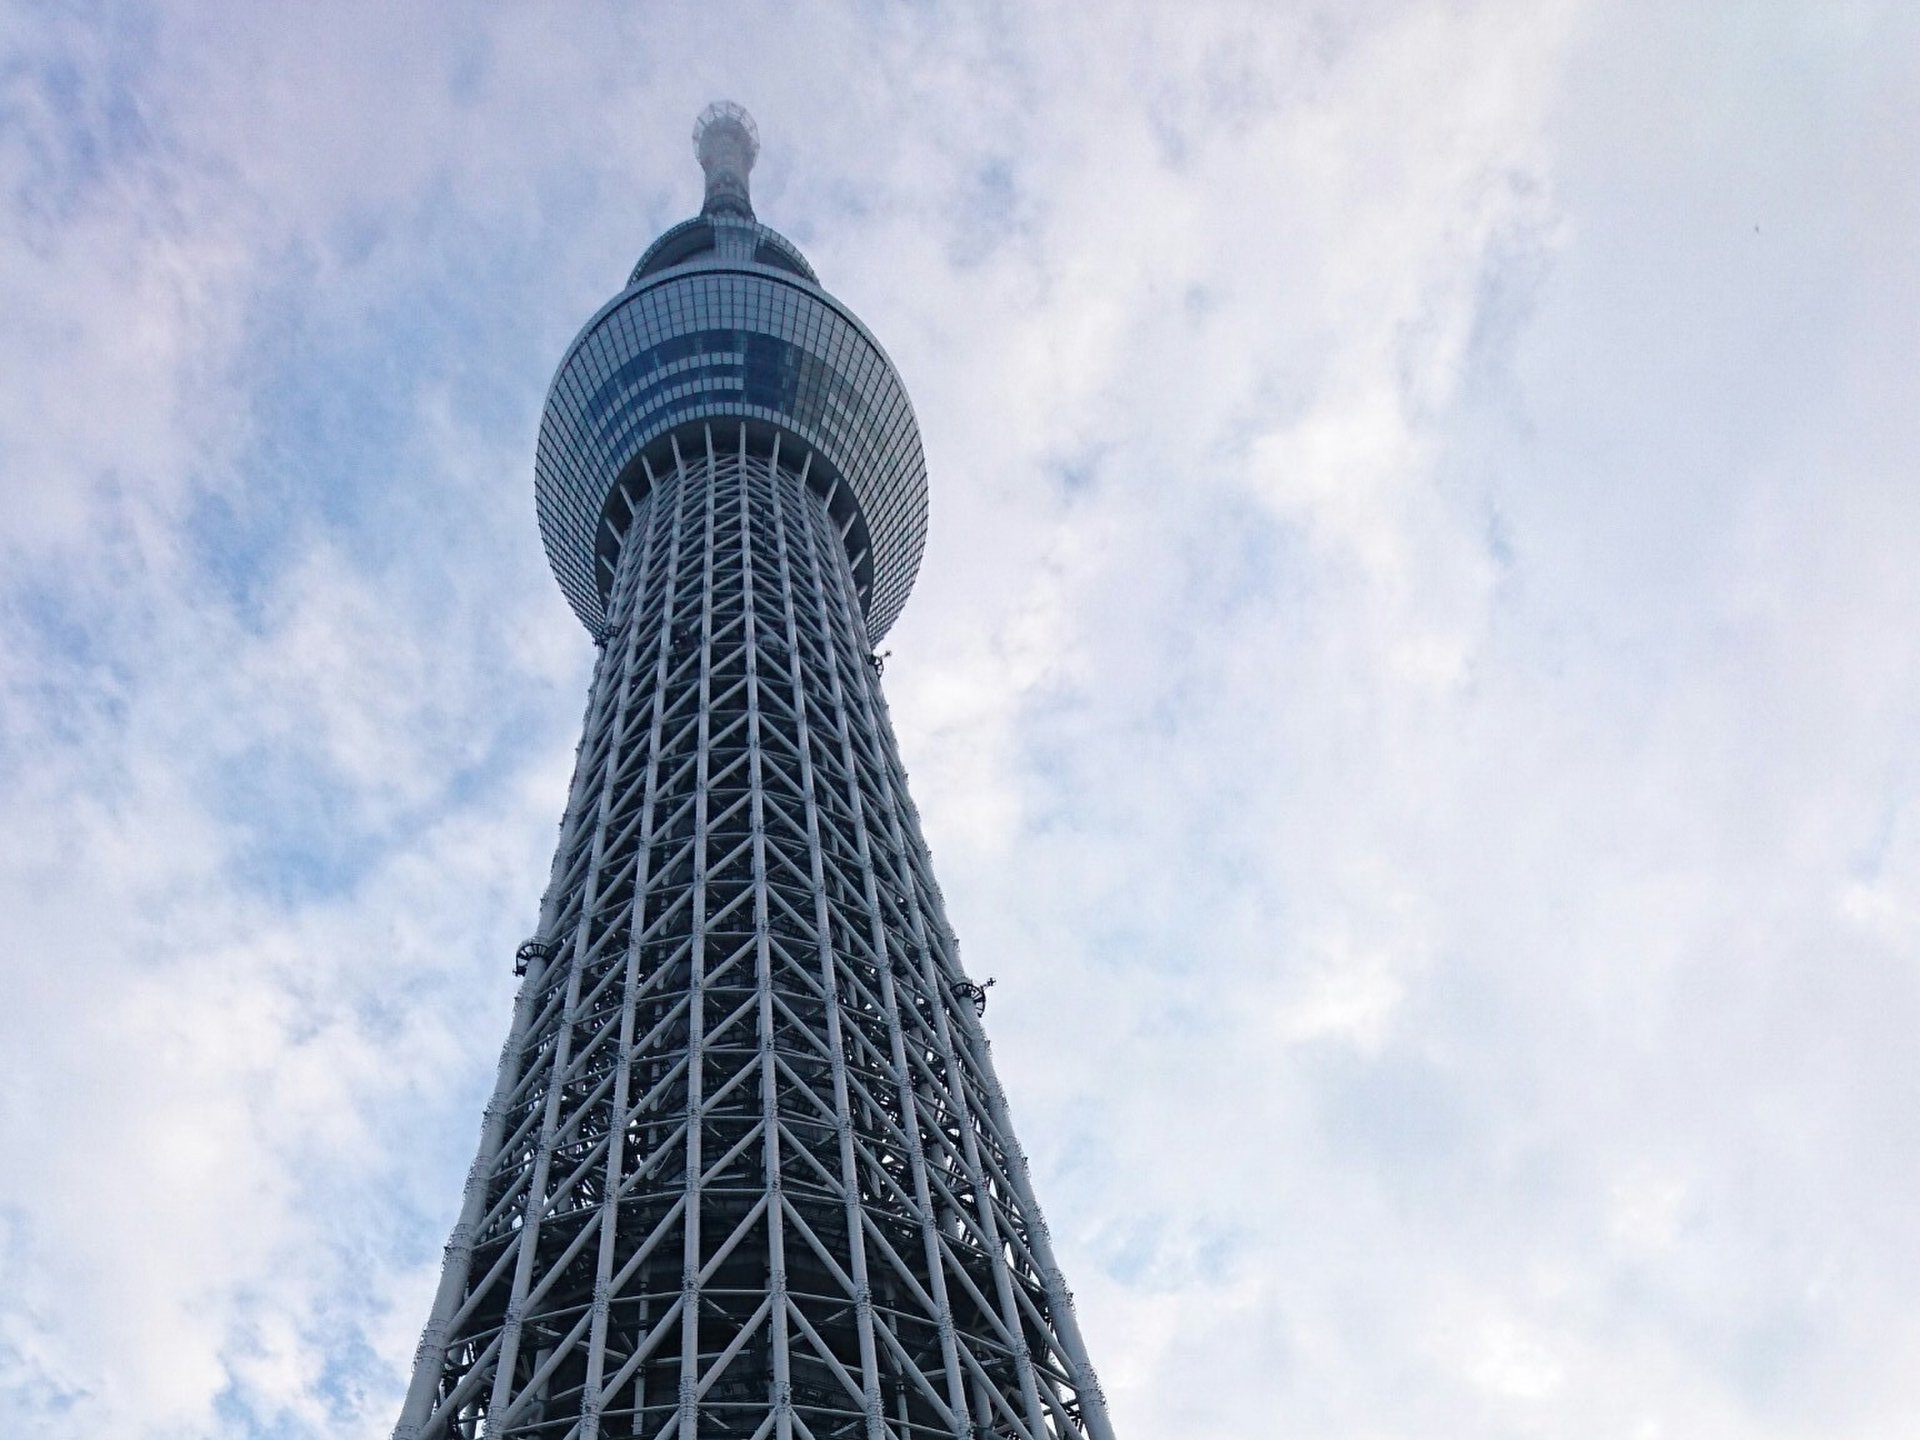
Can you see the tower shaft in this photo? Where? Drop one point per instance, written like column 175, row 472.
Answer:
column 746, row 1170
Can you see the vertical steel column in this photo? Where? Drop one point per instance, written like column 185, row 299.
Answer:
column 610, row 660
column 957, row 1408
column 455, row 1271
column 823, row 933
column 688, row 1418
column 592, row 1399
column 780, row 1396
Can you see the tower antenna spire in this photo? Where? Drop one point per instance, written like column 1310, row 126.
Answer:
column 726, row 142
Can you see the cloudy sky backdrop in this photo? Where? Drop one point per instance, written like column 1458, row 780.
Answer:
column 1413, row 688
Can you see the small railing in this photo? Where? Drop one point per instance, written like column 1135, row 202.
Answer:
column 967, row 990
column 530, row 951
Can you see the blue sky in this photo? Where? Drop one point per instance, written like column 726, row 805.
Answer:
column 1412, row 688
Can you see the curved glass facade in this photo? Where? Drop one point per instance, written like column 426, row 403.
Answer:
column 725, row 335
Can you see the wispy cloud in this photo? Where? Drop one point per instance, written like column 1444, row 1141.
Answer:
column 1411, row 689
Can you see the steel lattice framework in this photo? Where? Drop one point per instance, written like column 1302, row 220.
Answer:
column 746, row 1170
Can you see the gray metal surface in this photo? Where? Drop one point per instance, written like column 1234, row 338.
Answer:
column 746, row 1170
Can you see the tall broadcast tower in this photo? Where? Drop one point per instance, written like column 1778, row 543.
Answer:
column 746, row 1170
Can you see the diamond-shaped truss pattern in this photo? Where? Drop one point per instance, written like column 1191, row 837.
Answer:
column 747, row 1171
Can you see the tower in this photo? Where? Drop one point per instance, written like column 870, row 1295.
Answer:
column 746, row 1170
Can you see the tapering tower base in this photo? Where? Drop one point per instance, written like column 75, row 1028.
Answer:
column 746, row 1171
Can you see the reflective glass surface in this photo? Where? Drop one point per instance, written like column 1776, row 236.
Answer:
column 713, row 340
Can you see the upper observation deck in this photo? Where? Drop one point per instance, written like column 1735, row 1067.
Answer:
column 723, row 324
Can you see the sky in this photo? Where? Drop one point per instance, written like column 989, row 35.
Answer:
column 1412, row 688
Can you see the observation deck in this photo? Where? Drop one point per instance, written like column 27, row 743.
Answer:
column 723, row 324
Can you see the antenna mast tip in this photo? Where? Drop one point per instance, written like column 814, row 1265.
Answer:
column 726, row 142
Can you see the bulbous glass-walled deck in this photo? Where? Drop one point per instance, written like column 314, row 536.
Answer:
column 719, row 338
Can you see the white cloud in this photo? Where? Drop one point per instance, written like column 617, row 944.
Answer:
column 1411, row 688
